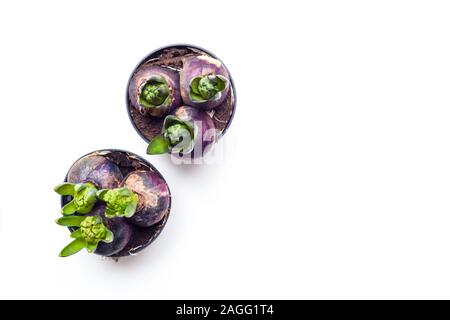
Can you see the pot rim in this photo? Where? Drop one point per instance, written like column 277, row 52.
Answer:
column 136, row 250
column 170, row 46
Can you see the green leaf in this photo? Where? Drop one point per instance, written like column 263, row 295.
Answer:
column 196, row 97
column 85, row 210
column 194, row 85
column 125, row 192
column 145, row 104
column 221, row 82
column 70, row 221
column 130, row 210
column 65, row 189
column 91, row 247
column 194, row 93
column 158, row 145
column 76, row 234
column 109, row 213
column 109, row 236
column 167, row 102
column 73, row 247
column 101, row 194
column 80, row 187
column 69, row 208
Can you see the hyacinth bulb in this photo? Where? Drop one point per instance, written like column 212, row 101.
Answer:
column 204, row 82
column 95, row 169
column 154, row 90
column 187, row 131
column 154, row 197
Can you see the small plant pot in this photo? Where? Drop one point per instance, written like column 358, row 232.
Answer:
column 112, row 168
column 173, row 58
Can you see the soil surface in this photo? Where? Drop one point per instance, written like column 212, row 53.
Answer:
column 141, row 236
column 172, row 57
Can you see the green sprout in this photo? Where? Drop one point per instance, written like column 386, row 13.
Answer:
column 207, row 88
column 177, row 136
column 120, row 202
column 90, row 232
column 154, row 93
column 84, row 197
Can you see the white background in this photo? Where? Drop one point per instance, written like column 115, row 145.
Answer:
column 335, row 179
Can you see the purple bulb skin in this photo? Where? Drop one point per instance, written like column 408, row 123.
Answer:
column 122, row 234
column 140, row 78
column 197, row 66
column 100, row 171
column 154, row 197
column 206, row 133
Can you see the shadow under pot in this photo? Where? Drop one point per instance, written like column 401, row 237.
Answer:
column 181, row 99
column 114, row 203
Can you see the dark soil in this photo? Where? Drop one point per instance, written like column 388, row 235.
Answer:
column 141, row 236
column 172, row 57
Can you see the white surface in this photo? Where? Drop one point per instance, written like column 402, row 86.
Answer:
column 336, row 177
